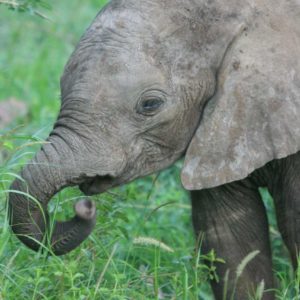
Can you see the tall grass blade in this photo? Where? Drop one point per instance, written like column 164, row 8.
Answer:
column 241, row 267
column 260, row 290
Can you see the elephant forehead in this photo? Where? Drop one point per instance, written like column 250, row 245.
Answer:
column 111, row 82
column 115, row 74
column 113, row 59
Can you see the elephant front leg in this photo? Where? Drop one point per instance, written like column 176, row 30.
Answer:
column 233, row 222
column 285, row 190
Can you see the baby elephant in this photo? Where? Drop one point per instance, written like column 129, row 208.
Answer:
column 217, row 82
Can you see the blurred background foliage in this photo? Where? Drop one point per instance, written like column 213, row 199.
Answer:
column 30, row 6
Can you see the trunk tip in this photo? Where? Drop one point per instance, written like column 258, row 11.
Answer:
column 85, row 209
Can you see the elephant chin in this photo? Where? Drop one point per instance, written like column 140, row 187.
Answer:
column 97, row 185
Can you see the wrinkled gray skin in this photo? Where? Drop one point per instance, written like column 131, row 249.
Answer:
column 152, row 81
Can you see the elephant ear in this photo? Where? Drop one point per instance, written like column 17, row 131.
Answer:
column 254, row 116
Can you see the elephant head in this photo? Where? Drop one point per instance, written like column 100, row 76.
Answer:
column 150, row 82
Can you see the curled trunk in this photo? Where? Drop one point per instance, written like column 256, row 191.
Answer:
column 41, row 179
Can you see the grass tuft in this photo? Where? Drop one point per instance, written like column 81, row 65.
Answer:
column 152, row 242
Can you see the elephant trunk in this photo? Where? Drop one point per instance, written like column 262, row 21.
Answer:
column 30, row 193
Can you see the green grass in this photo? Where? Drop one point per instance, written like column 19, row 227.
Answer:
column 143, row 245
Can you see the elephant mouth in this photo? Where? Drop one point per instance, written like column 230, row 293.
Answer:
column 97, row 185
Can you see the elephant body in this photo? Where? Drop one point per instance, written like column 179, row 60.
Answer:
column 150, row 82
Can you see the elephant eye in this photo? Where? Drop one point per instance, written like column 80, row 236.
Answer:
column 149, row 106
